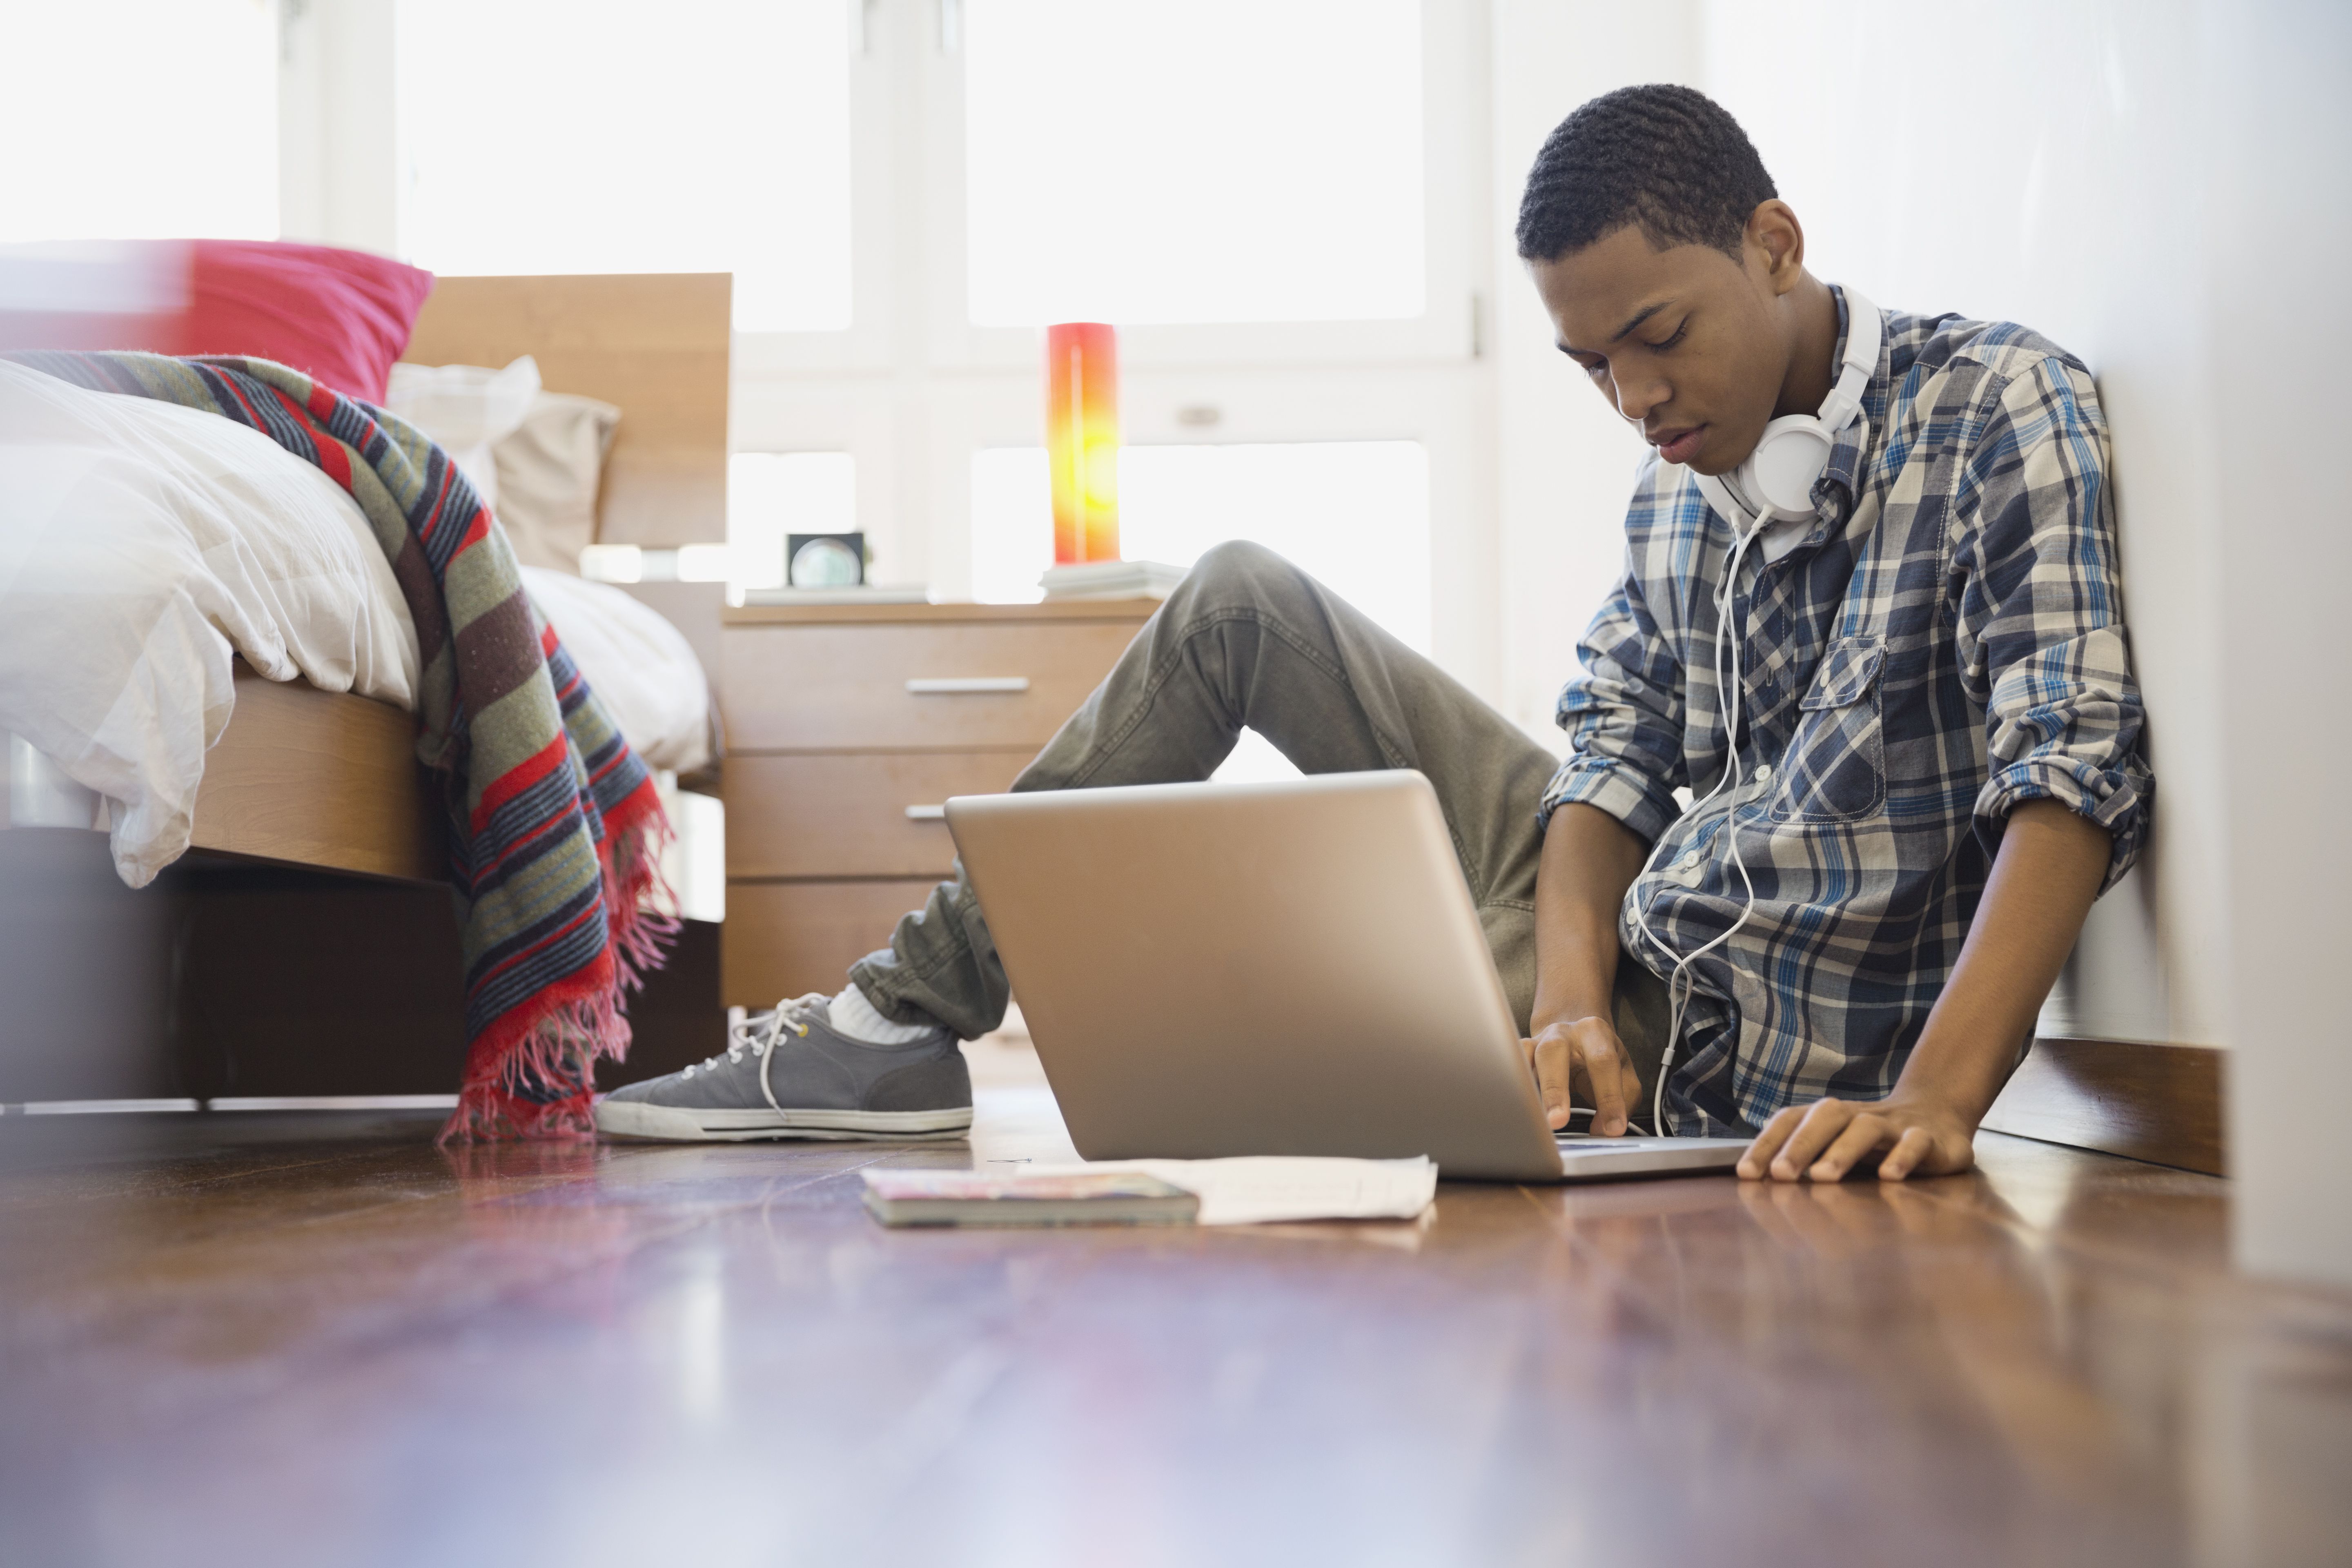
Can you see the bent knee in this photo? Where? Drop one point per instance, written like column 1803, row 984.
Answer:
column 1237, row 567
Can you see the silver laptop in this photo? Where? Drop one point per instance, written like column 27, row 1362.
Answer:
column 1284, row 968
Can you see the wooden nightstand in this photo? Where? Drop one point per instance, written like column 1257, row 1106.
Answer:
column 846, row 728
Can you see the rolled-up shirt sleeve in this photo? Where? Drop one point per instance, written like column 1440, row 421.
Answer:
column 1624, row 719
column 2040, row 631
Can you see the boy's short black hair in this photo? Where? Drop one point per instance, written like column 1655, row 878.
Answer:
column 1667, row 158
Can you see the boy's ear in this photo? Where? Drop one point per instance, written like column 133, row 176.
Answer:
column 1775, row 243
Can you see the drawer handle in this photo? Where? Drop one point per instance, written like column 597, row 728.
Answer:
column 966, row 685
column 927, row 813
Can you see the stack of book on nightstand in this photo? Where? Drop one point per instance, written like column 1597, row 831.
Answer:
column 862, row 594
column 1112, row 580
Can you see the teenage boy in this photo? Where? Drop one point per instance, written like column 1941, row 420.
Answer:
column 1930, row 759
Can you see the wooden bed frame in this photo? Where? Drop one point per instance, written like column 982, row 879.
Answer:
column 326, row 779
column 322, row 779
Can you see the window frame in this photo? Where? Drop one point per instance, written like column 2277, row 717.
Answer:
column 911, row 390
column 909, row 290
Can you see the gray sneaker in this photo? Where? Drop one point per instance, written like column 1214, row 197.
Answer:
column 786, row 1074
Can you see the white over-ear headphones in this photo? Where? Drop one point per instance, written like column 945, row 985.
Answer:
column 1780, row 476
column 1775, row 484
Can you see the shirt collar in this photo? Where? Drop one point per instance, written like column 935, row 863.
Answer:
column 1835, row 490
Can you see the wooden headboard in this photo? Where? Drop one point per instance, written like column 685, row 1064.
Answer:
column 654, row 345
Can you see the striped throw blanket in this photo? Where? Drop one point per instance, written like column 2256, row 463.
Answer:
column 556, row 830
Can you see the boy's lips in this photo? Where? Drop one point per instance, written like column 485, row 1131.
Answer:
column 1679, row 445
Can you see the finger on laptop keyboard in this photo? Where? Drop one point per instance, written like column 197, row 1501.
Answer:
column 1602, row 1063
column 1553, row 1059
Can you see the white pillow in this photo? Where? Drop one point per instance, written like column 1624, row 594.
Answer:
column 466, row 409
column 549, row 469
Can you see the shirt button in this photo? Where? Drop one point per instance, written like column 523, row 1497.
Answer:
column 1764, row 773
column 1689, row 859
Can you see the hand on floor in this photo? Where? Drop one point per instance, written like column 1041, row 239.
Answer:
column 1830, row 1138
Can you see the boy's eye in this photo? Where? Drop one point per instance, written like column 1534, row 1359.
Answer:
column 1680, row 332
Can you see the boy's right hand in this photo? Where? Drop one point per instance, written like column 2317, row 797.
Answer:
column 1583, row 1057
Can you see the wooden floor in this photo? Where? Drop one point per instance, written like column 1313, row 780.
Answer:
column 272, row 1340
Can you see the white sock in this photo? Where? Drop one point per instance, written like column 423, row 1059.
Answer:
column 853, row 1015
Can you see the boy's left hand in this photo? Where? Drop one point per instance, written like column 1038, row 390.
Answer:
column 2043, row 880
column 1906, row 1136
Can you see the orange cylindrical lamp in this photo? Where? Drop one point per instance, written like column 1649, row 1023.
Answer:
column 1082, row 439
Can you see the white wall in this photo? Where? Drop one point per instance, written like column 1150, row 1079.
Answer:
column 2277, row 221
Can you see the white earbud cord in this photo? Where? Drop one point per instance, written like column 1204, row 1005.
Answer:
column 1839, row 409
column 1680, row 981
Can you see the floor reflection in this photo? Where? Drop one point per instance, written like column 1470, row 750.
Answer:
column 2045, row 1360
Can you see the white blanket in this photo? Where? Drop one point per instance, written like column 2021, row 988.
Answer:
column 641, row 667
column 142, row 544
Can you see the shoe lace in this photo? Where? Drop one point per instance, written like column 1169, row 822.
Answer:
column 759, row 1033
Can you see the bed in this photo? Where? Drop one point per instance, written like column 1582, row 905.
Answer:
column 326, row 779
column 321, row 787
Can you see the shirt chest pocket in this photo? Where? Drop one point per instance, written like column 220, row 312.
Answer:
column 1835, row 767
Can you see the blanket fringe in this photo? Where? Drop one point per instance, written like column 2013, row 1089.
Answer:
column 533, row 1074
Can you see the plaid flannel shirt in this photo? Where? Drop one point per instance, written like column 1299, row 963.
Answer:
column 1946, row 641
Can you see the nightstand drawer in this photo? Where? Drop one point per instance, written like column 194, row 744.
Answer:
column 855, row 687
column 788, row 939
column 872, row 815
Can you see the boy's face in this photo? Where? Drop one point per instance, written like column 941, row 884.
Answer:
column 1685, row 343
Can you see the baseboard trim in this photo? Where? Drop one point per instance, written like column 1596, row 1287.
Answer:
column 2159, row 1103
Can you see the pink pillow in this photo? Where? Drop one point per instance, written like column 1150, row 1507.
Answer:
column 341, row 317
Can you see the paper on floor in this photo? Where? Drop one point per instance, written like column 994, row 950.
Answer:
column 1258, row 1188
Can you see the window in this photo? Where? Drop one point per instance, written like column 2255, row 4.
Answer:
column 1281, row 204
column 1209, row 162
column 609, row 136
column 1274, row 201
column 96, row 113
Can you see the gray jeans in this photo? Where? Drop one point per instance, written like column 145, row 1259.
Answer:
column 1248, row 640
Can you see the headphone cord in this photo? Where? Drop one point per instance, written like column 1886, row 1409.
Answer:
column 1859, row 363
column 1681, row 981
